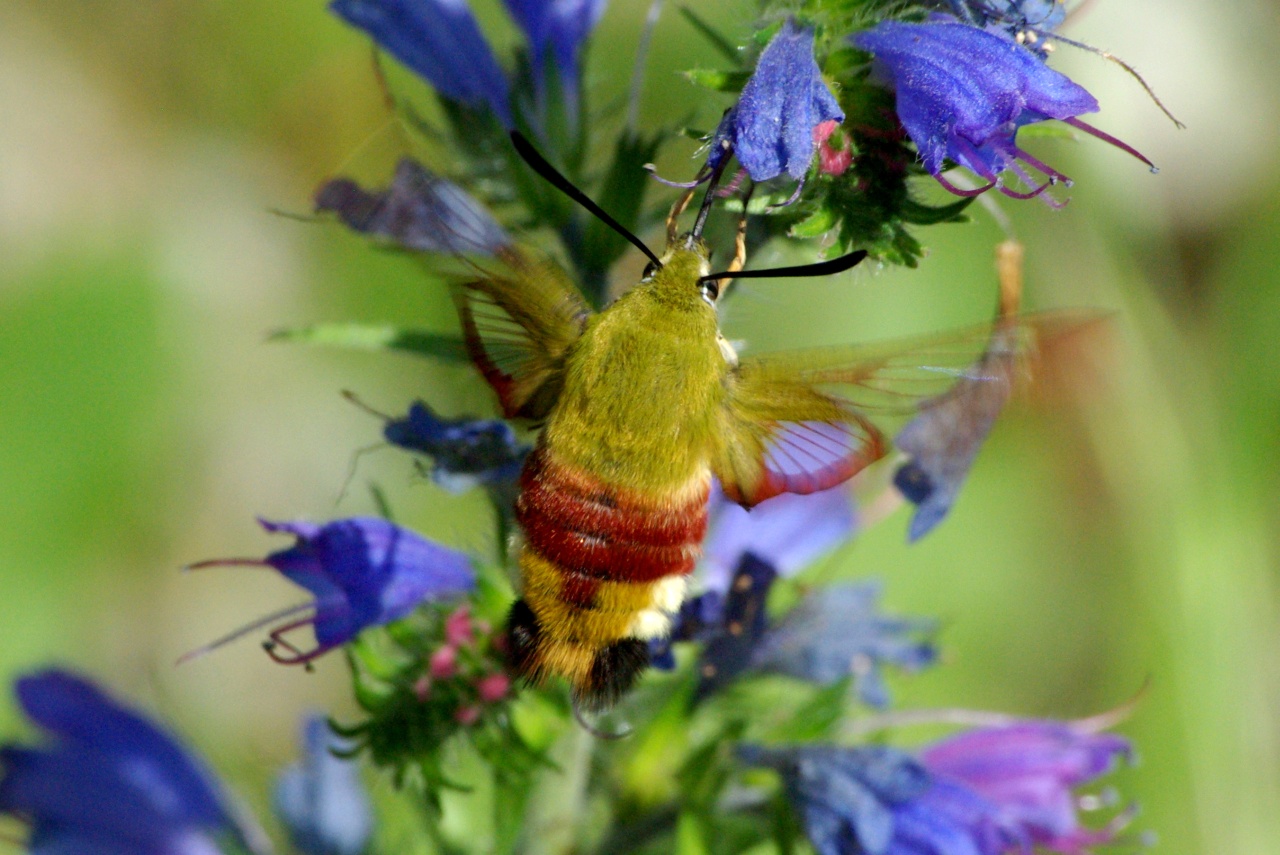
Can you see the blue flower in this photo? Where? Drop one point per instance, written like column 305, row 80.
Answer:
column 467, row 452
column 833, row 632
column 110, row 782
column 771, row 128
column 838, row 630
column 363, row 572
column 986, row 792
column 964, row 91
column 562, row 26
column 849, row 799
column 788, row 532
column 321, row 800
column 744, row 552
column 419, row 211
column 440, row 40
column 1023, row 20
column 943, row 440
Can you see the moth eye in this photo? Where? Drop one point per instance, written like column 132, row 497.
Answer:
column 710, row 289
column 649, row 269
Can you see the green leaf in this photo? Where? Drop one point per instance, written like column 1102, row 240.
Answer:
column 691, row 835
column 717, row 81
column 449, row 348
column 622, row 195
column 718, row 41
column 816, row 224
column 913, row 212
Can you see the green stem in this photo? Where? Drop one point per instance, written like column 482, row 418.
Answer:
column 553, row 820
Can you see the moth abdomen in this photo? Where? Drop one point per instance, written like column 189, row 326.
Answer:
column 603, row 569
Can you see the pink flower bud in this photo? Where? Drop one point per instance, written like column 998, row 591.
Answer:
column 467, row 716
column 457, row 628
column 493, row 687
column 444, row 663
column 422, row 688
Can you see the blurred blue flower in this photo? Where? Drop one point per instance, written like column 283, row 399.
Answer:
column 111, row 782
column 561, row 26
column 964, row 91
column 440, row 40
column 944, row 439
column 788, row 531
column 363, row 572
column 743, row 553
column 771, row 128
column 731, row 639
column 850, row 799
column 419, row 211
column 321, row 800
column 467, row 452
column 836, row 631
column 986, row 792
column 1023, row 20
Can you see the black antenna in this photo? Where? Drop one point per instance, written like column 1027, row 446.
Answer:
column 820, row 268
column 539, row 164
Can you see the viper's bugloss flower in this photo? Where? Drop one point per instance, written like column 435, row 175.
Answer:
column 963, row 92
column 363, row 572
column 1023, row 20
column 440, row 40
column 788, row 532
column 851, row 800
column 994, row 791
column 771, row 128
column 944, row 439
column 743, row 553
column 831, row 634
column 321, row 800
column 110, row 782
column 1028, row 773
column 419, row 210
column 838, row 630
column 466, row 452
column 561, row 27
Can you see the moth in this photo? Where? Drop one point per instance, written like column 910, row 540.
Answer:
column 641, row 405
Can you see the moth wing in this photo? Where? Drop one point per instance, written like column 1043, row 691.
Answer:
column 801, row 421
column 518, row 326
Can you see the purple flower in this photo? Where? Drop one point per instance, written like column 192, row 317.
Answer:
column 994, row 791
column 419, row 211
column 1028, row 772
column 964, row 91
column 562, row 26
column 321, row 800
column 110, row 782
column 943, row 440
column 837, row 631
column 363, row 572
column 771, row 128
column 466, row 451
column 440, row 40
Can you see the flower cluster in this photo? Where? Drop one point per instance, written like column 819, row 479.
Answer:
column 987, row 792
column 833, row 114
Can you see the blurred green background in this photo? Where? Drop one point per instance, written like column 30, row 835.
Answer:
column 1127, row 537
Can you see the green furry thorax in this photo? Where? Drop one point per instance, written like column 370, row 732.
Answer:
column 643, row 386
